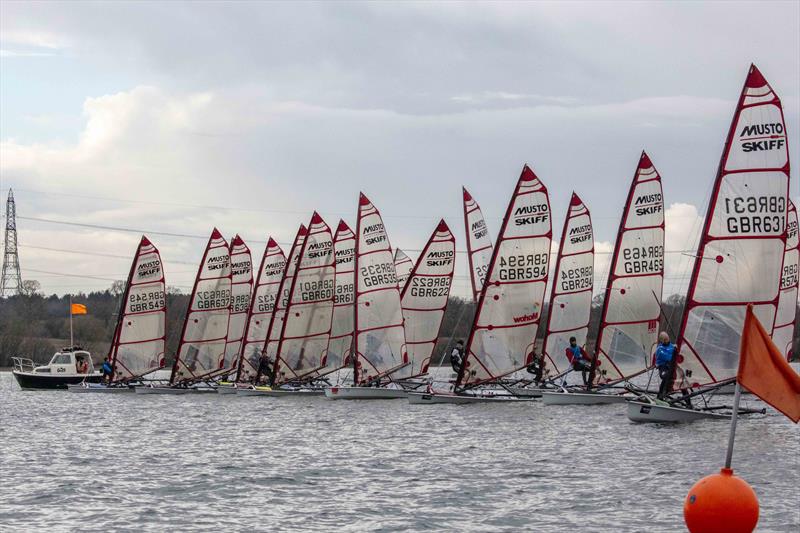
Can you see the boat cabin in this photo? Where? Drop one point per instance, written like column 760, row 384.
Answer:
column 69, row 361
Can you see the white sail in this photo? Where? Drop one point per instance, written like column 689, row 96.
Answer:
column 341, row 343
column 509, row 309
column 742, row 244
column 424, row 297
column 139, row 339
column 307, row 326
column 783, row 334
column 273, row 263
column 379, row 335
column 402, row 267
column 632, row 305
column 479, row 243
column 205, row 329
column 241, row 287
column 279, row 312
column 573, row 282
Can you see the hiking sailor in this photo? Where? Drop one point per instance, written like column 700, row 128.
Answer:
column 106, row 370
column 579, row 360
column 665, row 357
column 457, row 356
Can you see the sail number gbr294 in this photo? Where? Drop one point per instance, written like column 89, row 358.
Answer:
column 523, row 267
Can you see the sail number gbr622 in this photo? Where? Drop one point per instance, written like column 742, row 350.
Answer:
column 522, row 267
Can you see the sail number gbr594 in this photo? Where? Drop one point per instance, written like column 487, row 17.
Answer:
column 523, row 267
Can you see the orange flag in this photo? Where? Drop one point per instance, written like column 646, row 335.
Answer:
column 764, row 371
column 78, row 309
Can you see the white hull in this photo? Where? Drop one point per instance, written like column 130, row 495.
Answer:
column 82, row 388
column 160, row 389
column 648, row 412
column 364, row 393
column 226, row 389
column 525, row 391
column 582, row 398
column 426, row 398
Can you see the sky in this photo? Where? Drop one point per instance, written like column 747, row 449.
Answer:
column 172, row 118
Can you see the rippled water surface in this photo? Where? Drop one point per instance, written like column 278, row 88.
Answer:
column 205, row 462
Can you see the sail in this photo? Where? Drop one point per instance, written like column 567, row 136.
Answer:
column 402, row 267
column 138, row 346
column 783, row 333
column 424, row 297
column 279, row 312
column 573, row 282
column 205, row 327
column 379, row 335
column 479, row 244
column 262, row 303
column 632, row 299
column 341, row 343
column 241, row 287
column 742, row 244
column 307, row 324
column 509, row 309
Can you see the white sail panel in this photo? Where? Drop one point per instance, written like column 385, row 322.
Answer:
column 424, row 298
column 783, row 334
column 341, row 343
column 138, row 346
column 632, row 305
column 379, row 334
column 273, row 263
column 510, row 305
column 205, row 329
column 402, row 267
column 307, row 326
column 742, row 244
column 241, row 287
column 479, row 243
column 275, row 327
column 573, row 282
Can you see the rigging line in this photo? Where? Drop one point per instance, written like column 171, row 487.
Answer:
column 99, row 254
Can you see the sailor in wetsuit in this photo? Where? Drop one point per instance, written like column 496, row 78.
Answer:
column 665, row 363
column 457, row 356
column 265, row 368
column 578, row 358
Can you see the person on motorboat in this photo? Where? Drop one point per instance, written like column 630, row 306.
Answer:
column 83, row 366
column 579, row 359
column 106, row 370
column 665, row 360
column 457, row 356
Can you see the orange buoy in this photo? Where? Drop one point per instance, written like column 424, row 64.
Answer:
column 721, row 503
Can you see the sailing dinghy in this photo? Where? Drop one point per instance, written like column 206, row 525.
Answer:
column 379, row 337
column 632, row 305
column 403, row 265
column 783, row 333
column 205, row 328
column 507, row 318
column 140, row 334
column 740, row 256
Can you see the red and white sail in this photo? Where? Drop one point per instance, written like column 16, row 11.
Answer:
column 573, row 281
column 424, row 297
column 479, row 243
column 341, row 344
column 379, row 335
column 509, row 309
column 262, row 303
column 743, row 240
column 275, row 327
column 632, row 304
column 205, row 329
column 139, row 338
column 241, row 287
column 307, row 326
column 783, row 333
column 403, row 265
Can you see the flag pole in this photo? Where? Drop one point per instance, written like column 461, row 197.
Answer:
column 71, row 343
column 734, row 417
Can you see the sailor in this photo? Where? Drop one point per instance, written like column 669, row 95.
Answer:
column 106, row 369
column 265, row 367
column 665, row 359
column 457, row 356
column 536, row 368
column 580, row 361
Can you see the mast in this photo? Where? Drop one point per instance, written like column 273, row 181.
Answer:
column 424, row 298
column 273, row 265
column 403, row 265
column 241, row 289
column 140, row 334
column 573, row 283
column 742, row 245
column 379, row 337
column 205, row 328
column 783, row 333
column 309, row 311
column 629, row 320
column 479, row 243
column 503, row 332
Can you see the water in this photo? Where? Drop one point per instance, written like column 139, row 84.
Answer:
column 204, row 462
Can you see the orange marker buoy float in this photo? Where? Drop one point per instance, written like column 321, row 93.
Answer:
column 721, row 503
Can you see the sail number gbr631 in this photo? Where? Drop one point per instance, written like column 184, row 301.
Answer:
column 755, row 214
column 522, row 267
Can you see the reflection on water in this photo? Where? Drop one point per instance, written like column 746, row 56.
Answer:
column 205, row 462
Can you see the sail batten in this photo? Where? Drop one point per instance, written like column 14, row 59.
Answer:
column 479, row 243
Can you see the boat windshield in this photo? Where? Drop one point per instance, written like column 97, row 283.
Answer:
column 61, row 359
